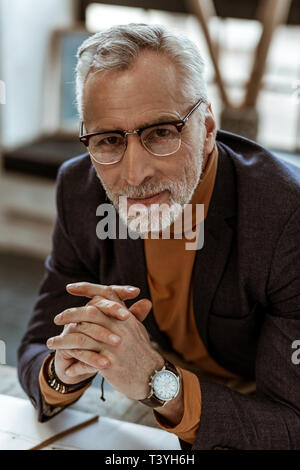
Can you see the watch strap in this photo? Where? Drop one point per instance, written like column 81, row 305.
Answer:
column 152, row 400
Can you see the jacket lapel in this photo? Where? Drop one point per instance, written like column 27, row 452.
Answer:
column 219, row 227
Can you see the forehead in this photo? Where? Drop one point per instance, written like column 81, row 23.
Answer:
column 150, row 86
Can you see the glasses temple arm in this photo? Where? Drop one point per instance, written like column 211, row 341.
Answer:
column 81, row 129
column 193, row 109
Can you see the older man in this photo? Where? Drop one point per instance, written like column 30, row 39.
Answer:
column 228, row 313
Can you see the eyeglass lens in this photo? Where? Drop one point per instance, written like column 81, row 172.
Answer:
column 159, row 140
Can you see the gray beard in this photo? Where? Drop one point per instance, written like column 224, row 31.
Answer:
column 158, row 219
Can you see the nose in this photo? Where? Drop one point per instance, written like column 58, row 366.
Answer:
column 137, row 163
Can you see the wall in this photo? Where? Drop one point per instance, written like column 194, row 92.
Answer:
column 25, row 27
column 27, row 204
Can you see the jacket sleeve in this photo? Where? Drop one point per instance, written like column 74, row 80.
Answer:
column 270, row 419
column 62, row 267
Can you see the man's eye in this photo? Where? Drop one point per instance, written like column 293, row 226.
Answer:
column 112, row 140
column 108, row 141
column 162, row 132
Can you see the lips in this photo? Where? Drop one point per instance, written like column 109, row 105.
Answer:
column 146, row 199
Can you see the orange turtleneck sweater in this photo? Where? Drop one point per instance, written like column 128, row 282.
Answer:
column 169, row 274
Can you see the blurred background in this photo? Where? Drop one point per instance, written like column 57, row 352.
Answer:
column 252, row 54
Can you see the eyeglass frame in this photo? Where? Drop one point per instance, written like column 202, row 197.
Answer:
column 179, row 124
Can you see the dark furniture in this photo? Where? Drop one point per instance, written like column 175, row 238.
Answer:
column 43, row 157
column 224, row 8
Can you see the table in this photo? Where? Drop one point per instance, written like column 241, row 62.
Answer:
column 122, row 424
column 116, row 406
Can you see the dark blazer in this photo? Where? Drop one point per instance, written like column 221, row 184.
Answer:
column 246, row 290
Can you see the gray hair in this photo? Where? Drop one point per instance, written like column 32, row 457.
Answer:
column 117, row 48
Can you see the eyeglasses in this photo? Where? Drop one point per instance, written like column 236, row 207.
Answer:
column 160, row 140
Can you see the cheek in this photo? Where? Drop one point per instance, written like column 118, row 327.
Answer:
column 109, row 176
column 191, row 161
column 169, row 169
column 189, row 155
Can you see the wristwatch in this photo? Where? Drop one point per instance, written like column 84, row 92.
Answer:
column 165, row 385
column 55, row 383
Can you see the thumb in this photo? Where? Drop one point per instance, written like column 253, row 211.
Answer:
column 141, row 308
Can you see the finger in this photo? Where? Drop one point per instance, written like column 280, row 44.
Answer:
column 125, row 292
column 93, row 313
column 97, row 332
column 110, row 308
column 91, row 358
column 73, row 341
column 80, row 368
column 72, row 315
column 141, row 309
column 113, row 292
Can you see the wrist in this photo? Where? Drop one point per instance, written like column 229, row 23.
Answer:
column 173, row 411
column 177, row 400
column 164, row 385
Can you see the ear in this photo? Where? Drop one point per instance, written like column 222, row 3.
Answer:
column 211, row 131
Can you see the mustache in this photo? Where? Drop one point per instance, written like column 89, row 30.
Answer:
column 132, row 192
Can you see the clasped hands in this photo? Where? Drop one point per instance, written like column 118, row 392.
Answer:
column 104, row 336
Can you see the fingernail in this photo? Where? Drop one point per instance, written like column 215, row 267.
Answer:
column 132, row 288
column 102, row 362
column 57, row 318
column 73, row 286
column 123, row 313
column 49, row 342
column 114, row 338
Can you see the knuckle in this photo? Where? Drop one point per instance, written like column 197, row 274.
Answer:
column 81, row 340
column 82, row 326
column 102, row 302
column 110, row 304
column 115, row 306
column 99, row 334
column 122, row 330
column 110, row 291
column 68, row 328
column 92, row 312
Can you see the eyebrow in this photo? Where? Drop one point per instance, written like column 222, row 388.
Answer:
column 163, row 118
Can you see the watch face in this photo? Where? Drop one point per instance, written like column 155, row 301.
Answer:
column 165, row 385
